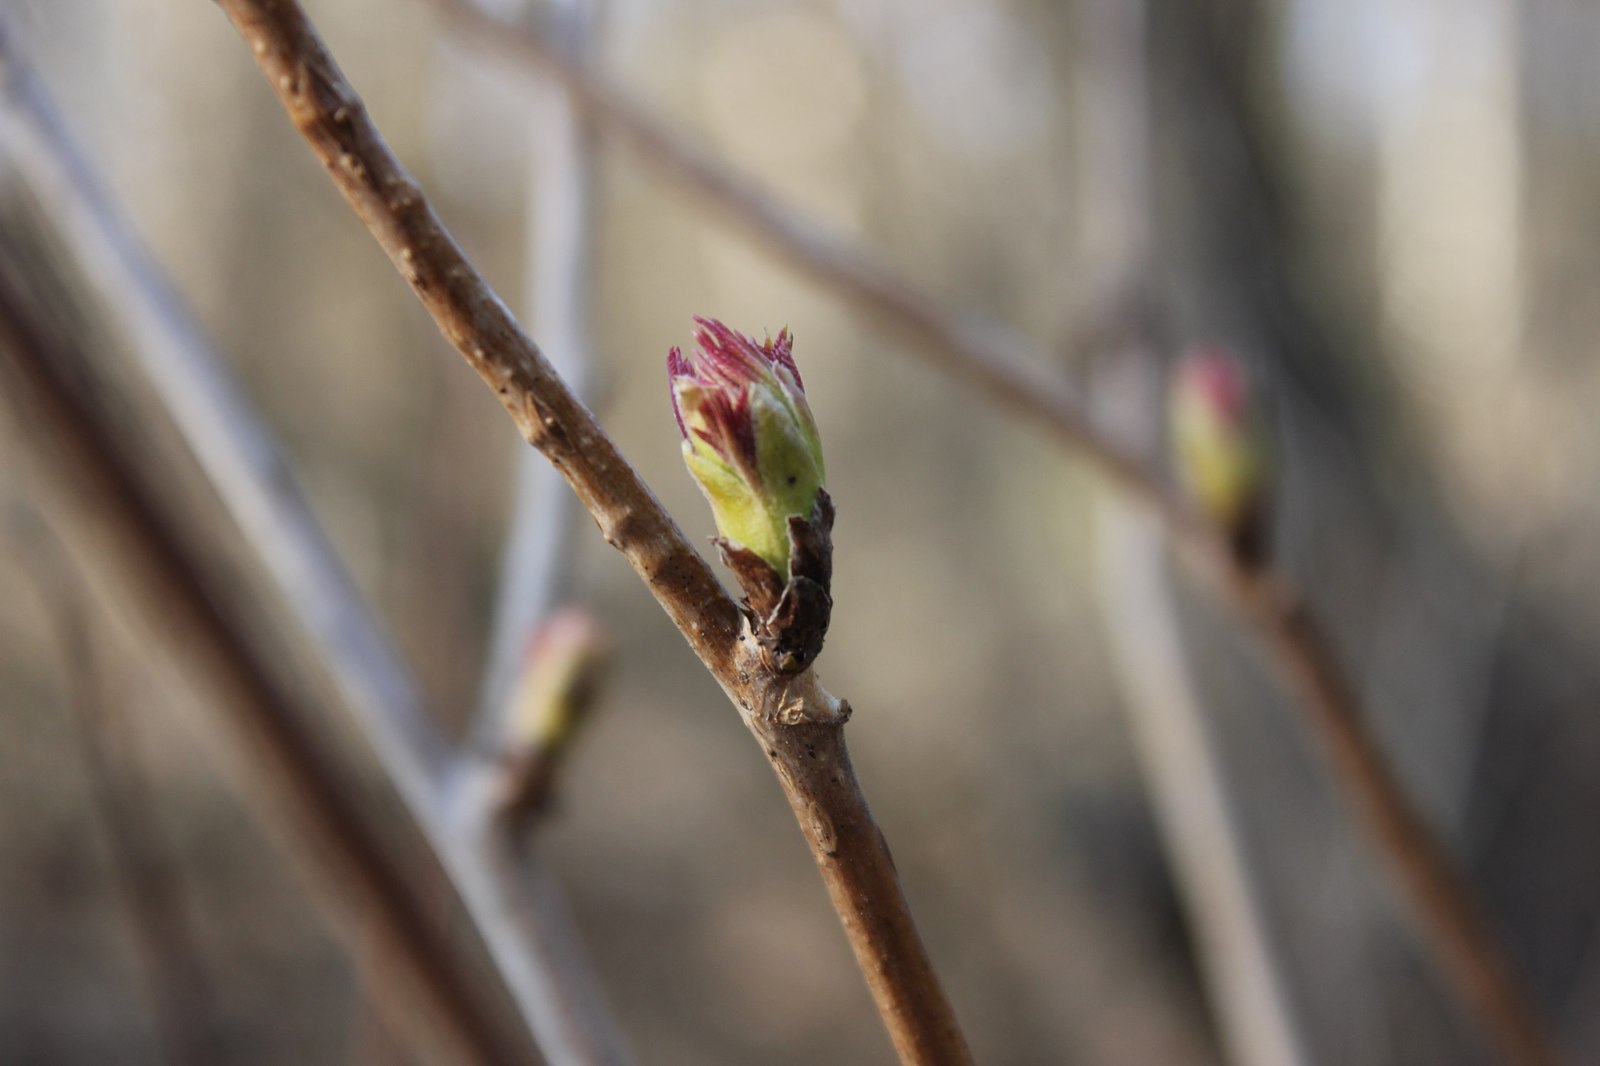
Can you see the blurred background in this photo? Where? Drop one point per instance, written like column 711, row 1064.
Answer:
column 1388, row 209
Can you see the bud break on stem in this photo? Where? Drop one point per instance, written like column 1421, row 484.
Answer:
column 751, row 442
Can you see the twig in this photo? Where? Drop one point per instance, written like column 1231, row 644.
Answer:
column 1009, row 372
column 142, row 861
column 798, row 723
column 536, row 950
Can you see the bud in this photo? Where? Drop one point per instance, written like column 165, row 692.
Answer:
column 1219, row 447
column 555, row 690
column 750, row 441
column 748, row 436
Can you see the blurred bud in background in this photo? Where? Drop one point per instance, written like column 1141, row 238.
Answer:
column 566, row 661
column 1219, row 447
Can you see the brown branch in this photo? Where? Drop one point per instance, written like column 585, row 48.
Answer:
column 799, row 724
column 1459, row 934
column 1010, row 373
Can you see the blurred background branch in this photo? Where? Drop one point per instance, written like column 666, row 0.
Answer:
column 1179, row 752
column 558, row 301
column 524, row 930
column 983, row 352
column 120, row 523
column 149, row 878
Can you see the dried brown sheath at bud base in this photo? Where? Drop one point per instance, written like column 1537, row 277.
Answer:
column 789, row 619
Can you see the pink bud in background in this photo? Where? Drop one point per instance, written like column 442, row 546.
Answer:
column 561, row 671
column 564, row 658
column 1219, row 447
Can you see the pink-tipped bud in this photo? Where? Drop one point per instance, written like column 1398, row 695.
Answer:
column 751, row 443
column 748, row 435
column 1219, row 448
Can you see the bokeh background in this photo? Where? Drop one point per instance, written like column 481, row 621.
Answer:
column 1389, row 209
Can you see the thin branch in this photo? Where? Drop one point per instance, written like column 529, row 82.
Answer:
column 979, row 351
column 798, row 723
column 535, row 948
column 1459, row 934
column 1010, row 373
column 1244, row 975
column 143, row 864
